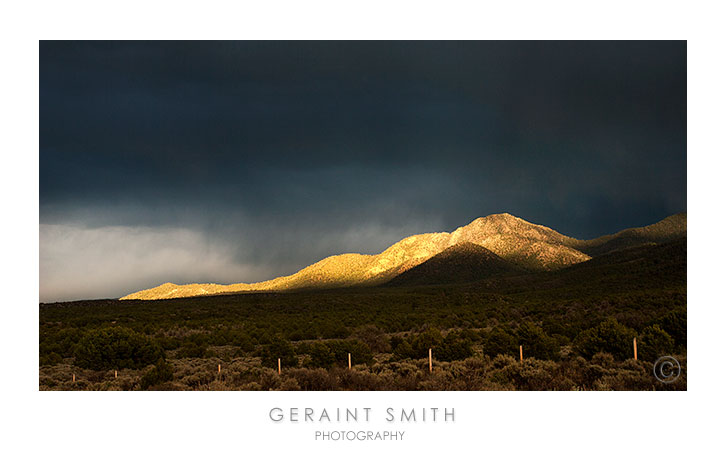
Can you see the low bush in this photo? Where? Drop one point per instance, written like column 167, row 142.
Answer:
column 454, row 347
column 374, row 337
column 653, row 343
column 610, row 336
column 278, row 349
column 160, row 373
column 675, row 323
column 190, row 349
column 536, row 343
column 320, row 356
column 500, row 341
column 340, row 349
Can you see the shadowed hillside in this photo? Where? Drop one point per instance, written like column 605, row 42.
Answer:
column 460, row 263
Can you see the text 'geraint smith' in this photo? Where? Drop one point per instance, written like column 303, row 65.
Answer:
column 361, row 415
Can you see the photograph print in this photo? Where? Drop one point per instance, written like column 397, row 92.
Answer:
column 363, row 215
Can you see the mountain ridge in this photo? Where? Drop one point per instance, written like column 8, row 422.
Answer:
column 667, row 229
column 523, row 244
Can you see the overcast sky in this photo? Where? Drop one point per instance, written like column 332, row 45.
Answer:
column 239, row 162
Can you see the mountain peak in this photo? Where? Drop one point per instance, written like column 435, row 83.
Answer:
column 497, row 218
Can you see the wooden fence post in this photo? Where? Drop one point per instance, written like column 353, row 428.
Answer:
column 350, row 360
column 219, row 368
column 520, row 348
column 634, row 342
column 430, row 356
column 279, row 365
column 115, row 374
column 74, row 377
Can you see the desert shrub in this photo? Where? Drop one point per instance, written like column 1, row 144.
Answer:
column 422, row 343
column 116, row 348
column 653, row 343
column 610, row 336
column 320, row 355
column 374, row 337
column 355, row 379
column 360, row 352
column 531, row 374
column 469, row 374
column 499, row 341
column 454, row 347
column 536, row 343
column 289, row 384
column 241, row 339
column 68, row 339
column 160, row 373
column 438, row 380
column 270, row 379
column 402, row 349
column 395, row 341
column 50, row 359
column 312, row 379
column 558, row 330
column 168, row 343
column 278, row 349
column 628, row 375
column 581, row 373
column 502, row 361
column 675, row 323
column 190, row 349
column 303, row 348
column 332, row 329
column 197, row 376
column 469, row 334
column 603, row 359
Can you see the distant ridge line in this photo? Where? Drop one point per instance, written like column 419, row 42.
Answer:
column 517, row 242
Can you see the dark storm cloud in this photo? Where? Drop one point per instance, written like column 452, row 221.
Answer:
column 280, row 153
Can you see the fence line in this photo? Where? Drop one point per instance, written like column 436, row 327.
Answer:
column 429, row 359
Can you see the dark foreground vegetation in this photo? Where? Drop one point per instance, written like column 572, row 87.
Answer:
column 576, row 327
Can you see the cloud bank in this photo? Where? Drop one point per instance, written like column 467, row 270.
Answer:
column 81, row 263
column 241, row 161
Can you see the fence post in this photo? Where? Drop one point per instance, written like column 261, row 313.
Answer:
column 115, row 374
column 219, row 368
column 520, row 349
column 430, row 357
column 279, row 365
column 634, row 342
column 74, row 377
column 350, row 360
